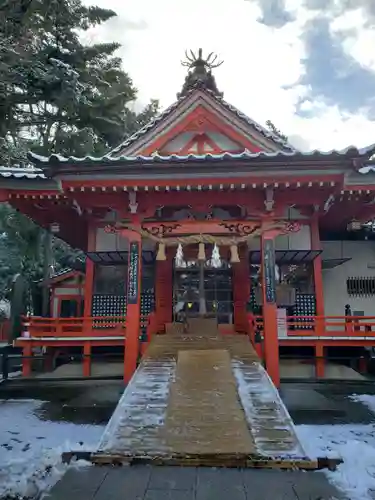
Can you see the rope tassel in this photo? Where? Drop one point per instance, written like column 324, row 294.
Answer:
column 234, row 257
column 161, row 252
column 201, row 252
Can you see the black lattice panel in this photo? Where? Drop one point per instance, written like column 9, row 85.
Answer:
column 108, row 305
column 305, row 306
column 147, row 306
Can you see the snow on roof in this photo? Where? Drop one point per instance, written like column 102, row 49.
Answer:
column 62, row 274
column 22, row 173
column 350, row 151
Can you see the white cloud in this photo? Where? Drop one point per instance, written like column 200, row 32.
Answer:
column 360, row 39
column 258, row 62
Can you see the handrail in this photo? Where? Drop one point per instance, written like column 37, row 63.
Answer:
column 328, row 326
column 88, row 326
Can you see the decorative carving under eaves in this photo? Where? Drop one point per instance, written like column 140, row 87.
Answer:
column 109, row 228
column 161, row 230
column 291, row 227
column 240, row 228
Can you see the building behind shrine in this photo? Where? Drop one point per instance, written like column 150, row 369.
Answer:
column 254, row 223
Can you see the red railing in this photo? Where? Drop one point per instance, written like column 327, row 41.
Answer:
column 98, row 326
column 37, row 327
column 327, row 326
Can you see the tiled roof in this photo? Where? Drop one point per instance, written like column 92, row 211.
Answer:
column 21, row 173
column 155, row 121
column 61, row 273
column 350, row 152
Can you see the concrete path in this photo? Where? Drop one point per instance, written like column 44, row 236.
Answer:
column 175, row 483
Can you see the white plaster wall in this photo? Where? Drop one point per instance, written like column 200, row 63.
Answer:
column 110, row 242
column 293, row 241
column 55, row 307
column 178, row 142
column 68, row 291
column 223, row 142
column 362, row 253
column 107, row 242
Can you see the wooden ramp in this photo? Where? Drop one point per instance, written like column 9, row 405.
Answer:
column 205, row 399
column 204, row 414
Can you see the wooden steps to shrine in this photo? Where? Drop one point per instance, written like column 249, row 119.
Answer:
column 204, row 399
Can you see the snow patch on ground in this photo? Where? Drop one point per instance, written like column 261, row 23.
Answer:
column 355, row 444
column 30, row 448
column 11, row 375
column 264, row 409
column 141, row 410
column 366, row 399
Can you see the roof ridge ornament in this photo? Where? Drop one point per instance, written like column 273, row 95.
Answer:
column 200, row 72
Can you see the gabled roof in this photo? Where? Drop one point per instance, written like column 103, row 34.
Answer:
column 187, row 101
column 62, row 275
column 217, row 133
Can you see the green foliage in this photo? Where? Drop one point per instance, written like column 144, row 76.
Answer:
column 276, row 131
column 56, row 95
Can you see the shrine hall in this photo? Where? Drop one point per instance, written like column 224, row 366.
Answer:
column 204, row 213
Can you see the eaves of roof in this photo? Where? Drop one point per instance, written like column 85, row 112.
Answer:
column 21, row 173
column 349, row 152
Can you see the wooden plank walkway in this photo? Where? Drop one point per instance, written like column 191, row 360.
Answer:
column 204, row 414
column 199, row 394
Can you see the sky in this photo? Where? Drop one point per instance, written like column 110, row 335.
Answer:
column 307, row 65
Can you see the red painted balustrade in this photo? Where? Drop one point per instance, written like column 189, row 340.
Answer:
column 325, row 326
column 36, row 327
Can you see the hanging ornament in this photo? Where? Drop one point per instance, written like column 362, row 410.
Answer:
column 234, row 257
column 179, row 259
column 201, row 252
column 215, row 258
column 161, row 252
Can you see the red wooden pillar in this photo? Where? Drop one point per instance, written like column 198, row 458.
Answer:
column 87, row 359
column 318, row 278
column 133, row 312
column 26, row 360
column 163, row 291
column 271, row 341
column 89, row 274
column 241, row 291
column 319, row 360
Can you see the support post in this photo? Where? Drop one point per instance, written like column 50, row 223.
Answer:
column 87, row 359
column 318, row 278
column 133, row 313
column 47, row 250
column 319, row 360
column 26, row 360
column 202, row 297
column 89, row 274
column 271, row 341
column 241, row 291
column 163, row 294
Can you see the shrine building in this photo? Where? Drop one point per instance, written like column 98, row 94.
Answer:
column 203, row 211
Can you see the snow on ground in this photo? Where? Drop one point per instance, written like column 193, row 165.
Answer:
column 366, row 399
column 355, row 444
column 30, row 448
column 11, row 375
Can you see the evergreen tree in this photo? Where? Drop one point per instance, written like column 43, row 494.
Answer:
column 57, row 95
